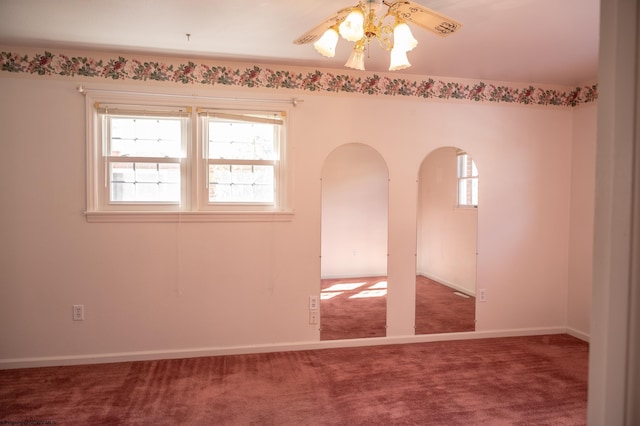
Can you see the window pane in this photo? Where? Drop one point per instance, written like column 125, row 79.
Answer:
column 462, row 192
column 242, row 141
column 241, row 183
column 468, row 192
column 145, row 137
column 467, row 181
column 474, row 190
column 144, row 182
column 466, row 166
column 461, row 165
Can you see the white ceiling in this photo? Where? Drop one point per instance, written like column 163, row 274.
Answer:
column 527, row 41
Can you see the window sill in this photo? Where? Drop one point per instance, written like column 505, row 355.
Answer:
column 466, row 209
column 187, row 217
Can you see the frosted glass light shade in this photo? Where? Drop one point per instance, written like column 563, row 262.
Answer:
column 402, row 37
column 326, row 45
column 352, row 28
column 356, row 59
column 399, row 60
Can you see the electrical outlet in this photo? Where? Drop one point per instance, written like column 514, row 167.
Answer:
column 482, row 295
column 313, row 303
column 78, row 312
column 313, row 317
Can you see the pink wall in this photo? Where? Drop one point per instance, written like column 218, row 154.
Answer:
column 169, row 288
column 583, row 160
column 524, row 220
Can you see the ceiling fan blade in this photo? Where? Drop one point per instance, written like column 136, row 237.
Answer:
column 424, row 17
column 315, row 33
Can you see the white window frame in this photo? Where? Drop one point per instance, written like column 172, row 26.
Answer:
column 105, row 113
column 194, row 205
column 462, row 204
column 278, row 163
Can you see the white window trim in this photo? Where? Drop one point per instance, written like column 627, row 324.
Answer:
column 460, row 206
column 466, row 209
column 102, row 164
column 193, row 210
column 281, row 164
column 188, row 216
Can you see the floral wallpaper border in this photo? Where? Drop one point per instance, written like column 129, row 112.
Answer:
column 121, row 68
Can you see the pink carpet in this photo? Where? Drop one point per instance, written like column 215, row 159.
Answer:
column 540, row 380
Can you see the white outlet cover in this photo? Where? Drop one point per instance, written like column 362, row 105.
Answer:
column 78, row 312
column 313, row 302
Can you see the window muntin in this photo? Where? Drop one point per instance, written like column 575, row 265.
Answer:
column 467, row 181
column 140, row 136
column 241, row 183
column 138, row 182
column 241, row 137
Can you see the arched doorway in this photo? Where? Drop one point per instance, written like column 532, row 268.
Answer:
column 447, row 242
column 355, row 182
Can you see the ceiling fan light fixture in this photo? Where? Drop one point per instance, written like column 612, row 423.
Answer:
column 352, row 28
column 362, row 24
column 326, row 45
column 399, row 60
column 356, row 59
column 402, row 37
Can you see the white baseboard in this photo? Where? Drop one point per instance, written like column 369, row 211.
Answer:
column 470, row 292
column 266, row 348
column 578, row 334
column 352, row 276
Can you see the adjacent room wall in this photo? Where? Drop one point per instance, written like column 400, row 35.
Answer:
column 446, row 234
column 583, row 160
column 355, row 204
column 176, row 288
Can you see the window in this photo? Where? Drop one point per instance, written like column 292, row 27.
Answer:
column 242, row 152
column 142, row 161
column 467, row 181
column 157, row 158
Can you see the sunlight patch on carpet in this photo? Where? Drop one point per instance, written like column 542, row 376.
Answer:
column 379, row 284
column 369, row 293
column 327, row 296
column 344, row 286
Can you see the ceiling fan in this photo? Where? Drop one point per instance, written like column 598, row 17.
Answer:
column 360, row 24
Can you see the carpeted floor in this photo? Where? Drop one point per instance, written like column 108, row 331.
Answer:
column 440, row 310
column 357, row 307
column 539, row 380
column 353, row 307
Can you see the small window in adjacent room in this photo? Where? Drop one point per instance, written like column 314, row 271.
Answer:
column 467, row 181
